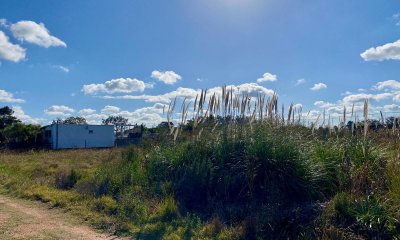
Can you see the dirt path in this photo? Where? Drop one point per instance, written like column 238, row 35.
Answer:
column 21, row 219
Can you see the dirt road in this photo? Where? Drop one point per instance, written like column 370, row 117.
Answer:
column 21, row 219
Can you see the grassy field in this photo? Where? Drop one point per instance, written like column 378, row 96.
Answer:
column 243, row 183
column 247, row 175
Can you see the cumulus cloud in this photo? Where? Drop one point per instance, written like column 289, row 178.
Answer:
column 391, row 107
column 110, row 110
column 147, row 115
column 59, row 110
column 9, row 51
column 388, row 84
column 62, row 68
column 180, row 92
column 120, row 85
column 32, row 32
column 319, row 86
column 251, row 89
column 8, row 97
column 20, row 114
column 323, row 104
column 267, row 77
column 168, row 77
column 87, row 111
column 389, row 51
column 3, row 22
column 363, row 96
column 150, row 116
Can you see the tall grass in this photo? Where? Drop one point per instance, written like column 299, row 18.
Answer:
column 240, row 168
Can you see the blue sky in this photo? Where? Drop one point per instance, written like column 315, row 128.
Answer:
column 94, row 58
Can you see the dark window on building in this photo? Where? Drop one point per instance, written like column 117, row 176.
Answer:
column 47, row 133
column 90, row 131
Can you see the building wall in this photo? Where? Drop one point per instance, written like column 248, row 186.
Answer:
column 81, row 136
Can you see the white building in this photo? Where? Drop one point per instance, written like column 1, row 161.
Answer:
column 62, row 136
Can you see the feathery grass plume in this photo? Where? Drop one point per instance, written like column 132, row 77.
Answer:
column 382, row 119
column 344, row 114
column 365, row 118
column 308, row 114
column 290, row 113
column 176, row 133
column 185, row 108
column 231, row 101
column 195, row 103
column 283, row 114
column 323, row 116
column 329, row 124
column 316, row 121
column 293, row 113
column 300, row 113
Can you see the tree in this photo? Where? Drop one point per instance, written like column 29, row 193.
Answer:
column 21, row 135
column 118, row 121
column 70, row 120
column 6, row 119
column 75, row 120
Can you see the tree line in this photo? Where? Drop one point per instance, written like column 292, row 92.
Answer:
column 15, row 134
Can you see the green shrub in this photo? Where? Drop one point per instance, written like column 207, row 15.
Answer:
column 105, row 204
column 66, row 179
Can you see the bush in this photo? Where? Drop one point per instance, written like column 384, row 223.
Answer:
column 66, row 179
column 105, row 204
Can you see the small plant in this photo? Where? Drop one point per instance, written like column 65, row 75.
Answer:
column 66, row 180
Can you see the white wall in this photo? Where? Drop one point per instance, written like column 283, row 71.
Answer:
column 79, row 136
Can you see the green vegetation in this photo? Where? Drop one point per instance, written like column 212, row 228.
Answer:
column 232, row 177
column 240, row 183
column 15, row 134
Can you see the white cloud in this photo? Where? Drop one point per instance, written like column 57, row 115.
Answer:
column 391, row 107
column 9, row 51
column 319, row 86
column 346, row 93
column 298, row 105
column 388, row 84
column 3, row 22
column 363, row 96
column 20, row 114
column 87, row 111
column 110, row 110
column 252, row 89
column 267, row 77
column 179, row 93
column 120, row 85
column 323, row 104
column 94, row 118
column 168, row 77
column 62, row 68
column 8, row 97
column 34, row 33
column 150, row 116
column 300, row 81
column 389, row 51
column 59, row 110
